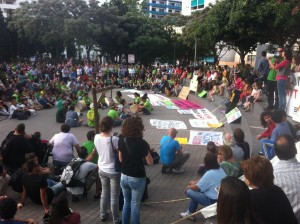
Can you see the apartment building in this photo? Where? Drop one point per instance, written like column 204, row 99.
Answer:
column 189, row 6
column 8, row 5
column 160, row 8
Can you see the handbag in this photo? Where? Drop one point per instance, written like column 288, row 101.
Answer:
column 116, row 157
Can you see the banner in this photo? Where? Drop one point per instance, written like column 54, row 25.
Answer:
column 166, row 124
column 204, row 114
column 232, row 115
column 203, row 137
column 293, row 99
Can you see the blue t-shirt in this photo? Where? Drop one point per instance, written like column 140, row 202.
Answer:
column 168, row 148
column 210, row 180
column 281, row 129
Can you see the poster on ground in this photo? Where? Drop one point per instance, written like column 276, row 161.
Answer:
column 232, row 115
column 166, row 124
column 203, row 137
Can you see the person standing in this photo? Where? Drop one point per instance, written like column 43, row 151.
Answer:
column 282, row 76
column 109, row 176
column 271, row 81
column 132, row 149
column 171, row 154
column 263, row 68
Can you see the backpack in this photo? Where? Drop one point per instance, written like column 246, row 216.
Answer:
column 68, row 175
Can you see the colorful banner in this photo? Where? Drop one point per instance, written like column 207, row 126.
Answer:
column 166, row 124
column 186, row 104
column 232, row 115
column 203, row 137
column 293, row 99
column 204, row 114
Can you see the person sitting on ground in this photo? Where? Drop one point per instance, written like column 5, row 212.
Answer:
column 203, row 191
column 234, row 204
column 145, row 106
column 213, row 91
column 87, row 99
column 171, row 155
column 118, row 97
column 72, row 118
column 89, row 145
column 254, row 97
column 85, row 169
column 61, row 213
column 269, row 202
column 113, row 113
column 287, row 171
column 228, row 162
column 63, row 144
column 266, row 122
column 223, row 85
column 15, row 110
column 91, row 116
column 210, row 148
column 3, row 108
column 122, row 110
column 17, row 146
column 61, row 112
column 246, row 91
column 282, row 128
column 37, row 187
column 4, row 181
column 238, row 152
column 8, row 210
column 136, row 99
column 239, row 137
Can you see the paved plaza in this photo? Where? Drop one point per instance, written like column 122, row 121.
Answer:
column 162, row 187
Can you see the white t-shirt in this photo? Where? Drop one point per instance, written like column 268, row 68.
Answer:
column 106, row 160
column 63, row 146
column 12, row 109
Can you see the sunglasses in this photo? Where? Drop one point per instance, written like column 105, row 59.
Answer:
column 280, row 51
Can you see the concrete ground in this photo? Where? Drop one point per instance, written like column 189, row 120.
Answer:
column 162, row 187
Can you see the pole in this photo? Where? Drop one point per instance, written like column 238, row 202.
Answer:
column 195, row 57
column 96, row 115
column 174, row 58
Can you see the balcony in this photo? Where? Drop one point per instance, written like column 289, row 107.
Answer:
column 157, row 13
column 157, row 5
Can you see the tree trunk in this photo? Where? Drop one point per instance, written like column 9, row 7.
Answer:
column 242, row 56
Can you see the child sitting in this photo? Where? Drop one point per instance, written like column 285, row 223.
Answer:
column 215, row 90
column 254, row 97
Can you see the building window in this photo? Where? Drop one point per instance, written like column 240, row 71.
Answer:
column 153, row 2
column 161, row 2
column 161, row 10
column 153, row 9
column 170, row 10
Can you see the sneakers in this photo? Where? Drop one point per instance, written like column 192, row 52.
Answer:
column 178, row 171
column 187, row 213
column 104, row 218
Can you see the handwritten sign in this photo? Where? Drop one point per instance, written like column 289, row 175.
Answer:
column 232, row 115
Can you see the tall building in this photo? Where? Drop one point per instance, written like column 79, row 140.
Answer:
column 188, row 6
column 160, row 8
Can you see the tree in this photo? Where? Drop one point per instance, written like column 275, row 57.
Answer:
column 4, row 40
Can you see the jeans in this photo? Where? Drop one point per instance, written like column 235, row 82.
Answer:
column 133, row 189
column 198, row 197
column 58, row 166
column 281, row 87
column 56, row 187
column 267, row 148
column 110, row 193
column 271, row 90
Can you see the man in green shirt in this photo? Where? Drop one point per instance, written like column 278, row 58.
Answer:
column 61, row 112
column 113, row 113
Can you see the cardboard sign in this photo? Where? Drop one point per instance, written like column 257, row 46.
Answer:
column 182, row 141
column 202, row 94
column 194, row 83
column 184, row 93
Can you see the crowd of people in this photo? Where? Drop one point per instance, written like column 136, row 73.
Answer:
column 116, row 163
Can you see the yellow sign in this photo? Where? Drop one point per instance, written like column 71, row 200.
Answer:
column 182, row 141
column 184, row 93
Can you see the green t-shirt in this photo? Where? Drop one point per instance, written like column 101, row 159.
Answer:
column 136, row 100
column 61, row 115
column 148, row 106
column 89, row 145
column 87, row 100
column 272, row 72
column 113, row 114
column 59, row 104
